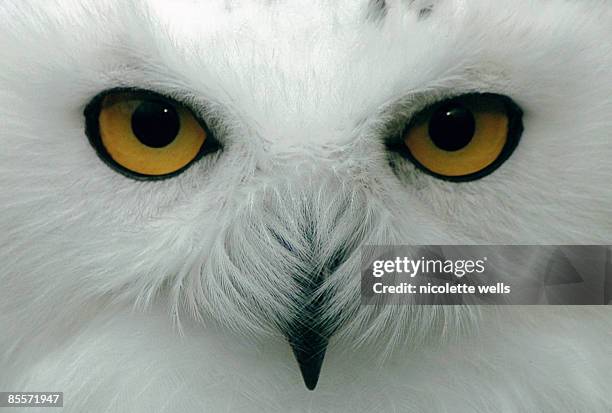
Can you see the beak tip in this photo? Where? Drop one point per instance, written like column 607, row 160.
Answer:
column 310, row 361
column 310, row 367
column 311, row 386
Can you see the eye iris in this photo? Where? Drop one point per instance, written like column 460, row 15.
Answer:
column 155, row 124
column 452, row 127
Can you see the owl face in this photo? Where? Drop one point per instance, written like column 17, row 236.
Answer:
column 311, row 128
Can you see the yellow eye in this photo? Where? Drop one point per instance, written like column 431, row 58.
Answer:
column 143, row 134
column 464, row 138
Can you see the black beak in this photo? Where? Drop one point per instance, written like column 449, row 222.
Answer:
column 309, row 349
column 307, row 334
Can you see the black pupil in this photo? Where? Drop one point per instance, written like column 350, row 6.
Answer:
column 452, row 127
column 155, row 124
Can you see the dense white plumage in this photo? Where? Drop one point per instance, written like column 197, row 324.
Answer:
column 166, row 295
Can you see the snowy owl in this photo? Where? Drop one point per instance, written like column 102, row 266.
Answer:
column 186, row 186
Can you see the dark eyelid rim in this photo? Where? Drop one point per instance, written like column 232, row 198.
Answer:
column 515, row 131
column 92, row 131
